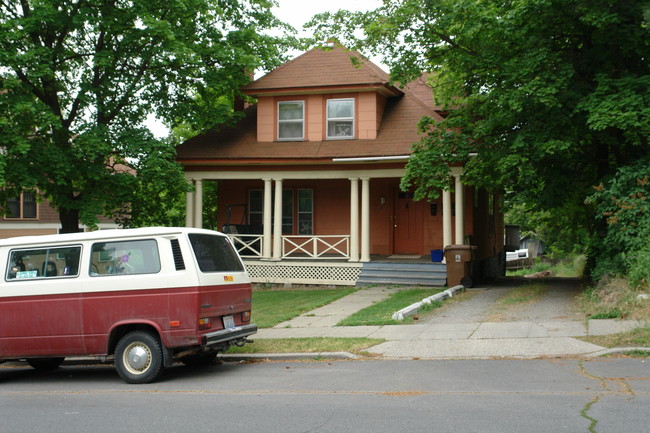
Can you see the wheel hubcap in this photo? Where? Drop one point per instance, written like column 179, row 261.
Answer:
column 137, row 358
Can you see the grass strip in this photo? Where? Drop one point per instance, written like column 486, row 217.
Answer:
column 380, row 313
column 271, row 307
column 639, row 337
column 307, row 345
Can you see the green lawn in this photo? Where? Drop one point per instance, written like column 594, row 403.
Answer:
column 271, row 307
column 381, row 312
column 639, row 337
column 307, row 345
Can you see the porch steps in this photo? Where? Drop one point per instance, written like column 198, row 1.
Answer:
column 424, row 274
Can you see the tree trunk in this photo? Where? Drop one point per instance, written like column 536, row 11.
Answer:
column 69, row 220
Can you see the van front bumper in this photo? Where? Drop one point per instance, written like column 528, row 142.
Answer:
column 230, row 334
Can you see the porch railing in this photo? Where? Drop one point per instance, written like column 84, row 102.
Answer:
column 248, row 245
column 316, row 247
column 296, row 246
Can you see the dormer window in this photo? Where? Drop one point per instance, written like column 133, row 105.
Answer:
column 291, row 120
column 340, row 118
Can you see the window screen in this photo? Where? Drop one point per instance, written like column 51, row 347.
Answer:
column 340, row 118
column 291, row 120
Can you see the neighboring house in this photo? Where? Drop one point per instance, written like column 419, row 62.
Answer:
column 30, row 215
column 308, row 179
column 534, row 245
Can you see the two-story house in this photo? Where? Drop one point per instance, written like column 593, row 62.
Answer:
column 308, row 179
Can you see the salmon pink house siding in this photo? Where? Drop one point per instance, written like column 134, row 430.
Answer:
column 308, row 179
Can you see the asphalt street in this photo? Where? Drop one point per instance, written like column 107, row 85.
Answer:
column 551, row 395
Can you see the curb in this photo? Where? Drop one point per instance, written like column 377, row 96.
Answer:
column 243, row 357
column 615, row 350
column 235, row 357
column 414, row 308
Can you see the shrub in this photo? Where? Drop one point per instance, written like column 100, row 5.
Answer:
column 623, row 204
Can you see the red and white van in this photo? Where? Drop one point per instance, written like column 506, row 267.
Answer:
column 143, row 296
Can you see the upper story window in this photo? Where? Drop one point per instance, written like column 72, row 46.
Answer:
column 22, row 206
column 340, row 118
column 291, row 120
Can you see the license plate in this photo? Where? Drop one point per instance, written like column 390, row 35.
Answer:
column 228, row 322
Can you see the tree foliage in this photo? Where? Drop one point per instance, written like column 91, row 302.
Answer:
column 624, row 201
column 79, row 77
column 551, row 96
column 564, row 231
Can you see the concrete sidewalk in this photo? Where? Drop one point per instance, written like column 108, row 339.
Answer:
column 462, row 331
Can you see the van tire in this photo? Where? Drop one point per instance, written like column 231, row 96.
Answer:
column 139, row 357
column 45, row 364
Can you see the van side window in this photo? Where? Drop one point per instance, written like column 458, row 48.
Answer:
column 124, row 257
column 43, row 263
column 215, row 253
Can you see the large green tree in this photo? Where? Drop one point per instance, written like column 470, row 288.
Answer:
column 79, row 78
column 546, row 98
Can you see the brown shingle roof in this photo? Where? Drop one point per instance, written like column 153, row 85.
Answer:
column 396, row 135
column 321, row 67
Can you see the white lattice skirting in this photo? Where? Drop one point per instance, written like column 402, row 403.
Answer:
column 342, row 274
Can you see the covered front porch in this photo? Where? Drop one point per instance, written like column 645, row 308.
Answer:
column 357, row 216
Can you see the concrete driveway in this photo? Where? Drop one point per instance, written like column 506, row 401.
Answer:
column 478, row 326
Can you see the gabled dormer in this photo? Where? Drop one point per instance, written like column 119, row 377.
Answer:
column 320, row 96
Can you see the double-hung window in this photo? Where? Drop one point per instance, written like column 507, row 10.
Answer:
column 340, row 118
column 291, row 120
column 304, row 209
column 22, row 206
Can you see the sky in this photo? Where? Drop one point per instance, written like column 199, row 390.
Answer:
column 295, row 13
column 298, row 12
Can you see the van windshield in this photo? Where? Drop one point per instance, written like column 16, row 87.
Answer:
column 215, row 253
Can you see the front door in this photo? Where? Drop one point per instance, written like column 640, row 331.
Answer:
column 407, row 224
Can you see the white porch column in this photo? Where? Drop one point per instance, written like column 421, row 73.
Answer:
column 268, row 219
column 277, row 223
column 446, row 218
column 198, row 204
column 354, row 219
column 189, row 208
column 365, row 219
column 460, row 210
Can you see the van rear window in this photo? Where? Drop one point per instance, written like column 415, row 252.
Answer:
column 215, row 253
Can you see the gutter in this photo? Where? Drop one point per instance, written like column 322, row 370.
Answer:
column 382, row 158
column 372, row 158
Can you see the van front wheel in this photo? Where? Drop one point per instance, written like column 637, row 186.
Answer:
column 139, row 357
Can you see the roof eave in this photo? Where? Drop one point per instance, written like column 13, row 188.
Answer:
column 382, row 88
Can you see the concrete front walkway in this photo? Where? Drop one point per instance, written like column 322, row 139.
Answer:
column 464, row 329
